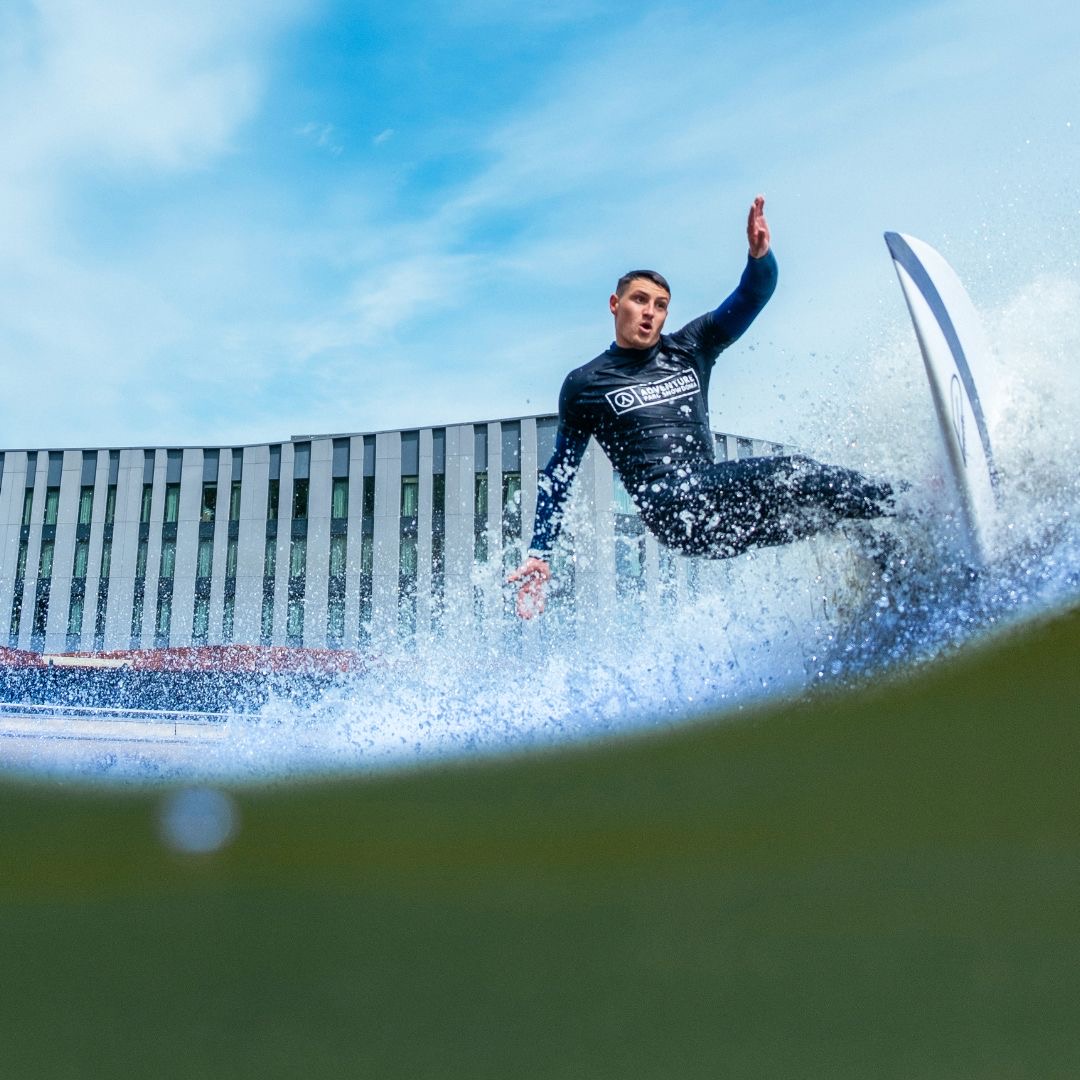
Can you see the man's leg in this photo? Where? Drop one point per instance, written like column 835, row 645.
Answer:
column 760, row 502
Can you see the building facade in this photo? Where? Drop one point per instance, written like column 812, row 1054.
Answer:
column 318, row 541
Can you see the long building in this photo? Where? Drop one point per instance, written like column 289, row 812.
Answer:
column 318, row 541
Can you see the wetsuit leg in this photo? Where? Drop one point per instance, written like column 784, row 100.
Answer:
column 731, row 506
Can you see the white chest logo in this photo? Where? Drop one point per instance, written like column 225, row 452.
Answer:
column 672, row 388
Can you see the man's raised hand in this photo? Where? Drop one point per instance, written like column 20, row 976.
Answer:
column 757, row 229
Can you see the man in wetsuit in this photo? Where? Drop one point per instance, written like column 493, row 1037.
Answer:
column 645, row 400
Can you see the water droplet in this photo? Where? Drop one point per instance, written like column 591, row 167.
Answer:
column 197, row 821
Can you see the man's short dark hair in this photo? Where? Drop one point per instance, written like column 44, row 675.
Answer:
column 649, row 275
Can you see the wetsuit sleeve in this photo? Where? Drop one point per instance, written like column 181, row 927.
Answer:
column 719, row 328
column 553, row 487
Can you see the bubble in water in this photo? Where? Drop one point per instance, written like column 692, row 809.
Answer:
column 197, row 821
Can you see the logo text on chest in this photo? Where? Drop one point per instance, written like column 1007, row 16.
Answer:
column 672, row 388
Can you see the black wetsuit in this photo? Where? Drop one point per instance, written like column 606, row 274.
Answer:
column 648, row 410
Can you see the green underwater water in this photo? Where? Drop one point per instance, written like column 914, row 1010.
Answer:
column 882, row 882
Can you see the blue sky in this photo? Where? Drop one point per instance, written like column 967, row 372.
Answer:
column 234, row 223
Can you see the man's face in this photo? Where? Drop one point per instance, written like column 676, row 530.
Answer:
column 639, row 314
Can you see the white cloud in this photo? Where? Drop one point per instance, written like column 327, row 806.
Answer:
column 332, row 308
column 107, row 87
column 127, row 83
column 321, row 135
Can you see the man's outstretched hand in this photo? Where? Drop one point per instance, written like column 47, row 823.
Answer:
column 757, row 229
column 532, row 575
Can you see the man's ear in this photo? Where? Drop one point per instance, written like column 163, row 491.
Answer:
column 613, row 303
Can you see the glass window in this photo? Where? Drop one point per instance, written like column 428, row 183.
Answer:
column 511, row 505
column 137, row 618
column 27, row 506
column 45, row 564
column 164, row 617
column 231, row 552
column 41, row 613
column 20, row 564
column 298, row 557
column 234, row 501
column 172, row 504
column 200, row 625
column 16, row 620
column 337, row 556
column 410, row 496
column 270, row 559
column 228, row 618
column 273, row 495
column 266, row 629
column 480, row 506
column 408, row 558
column 623, row 503
column 365, row 583
column 480, row 517
column 209, row 503
column 300, row 500
column 75, row 617
column 147, row 499
column 294, row 623
column 52, row 504
column 205, row 564
column 106, row 559
column 141, row 558
column 86, row 505
column 168, row 558
column 102, row 608
column 110, row 505
column 82, row 558
column 511, row 493
column 339, row 499
column 335, row 621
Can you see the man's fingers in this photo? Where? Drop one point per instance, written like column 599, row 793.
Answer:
column 530, row 578
column 530, row 600
column 531, row 568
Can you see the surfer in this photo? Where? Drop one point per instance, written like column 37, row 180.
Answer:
column 645, row 400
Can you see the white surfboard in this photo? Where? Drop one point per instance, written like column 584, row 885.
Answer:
column 955, row 353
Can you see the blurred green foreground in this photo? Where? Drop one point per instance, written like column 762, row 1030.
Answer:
column 881, row 884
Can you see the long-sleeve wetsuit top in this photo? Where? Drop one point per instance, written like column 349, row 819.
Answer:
column 647, row 408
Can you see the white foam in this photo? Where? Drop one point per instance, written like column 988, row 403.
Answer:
column 761, row 625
